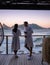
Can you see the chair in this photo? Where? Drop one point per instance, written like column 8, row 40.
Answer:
column 46, row 50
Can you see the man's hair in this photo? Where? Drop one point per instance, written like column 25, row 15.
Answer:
column 25, row 22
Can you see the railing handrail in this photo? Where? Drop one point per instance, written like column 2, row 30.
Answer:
column 23, row 35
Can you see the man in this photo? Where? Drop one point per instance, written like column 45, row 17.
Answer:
column 28, row 37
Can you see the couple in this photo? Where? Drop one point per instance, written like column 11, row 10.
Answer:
column 28, row 38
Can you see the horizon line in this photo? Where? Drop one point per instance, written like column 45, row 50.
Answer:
column 23, row 24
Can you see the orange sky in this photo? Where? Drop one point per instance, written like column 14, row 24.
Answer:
column 40, row 17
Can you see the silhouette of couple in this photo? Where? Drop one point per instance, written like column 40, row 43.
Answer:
column 28, row 38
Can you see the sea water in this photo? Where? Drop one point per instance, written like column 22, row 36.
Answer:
column 37, row 40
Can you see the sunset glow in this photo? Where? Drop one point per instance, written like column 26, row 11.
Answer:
column 40, row 17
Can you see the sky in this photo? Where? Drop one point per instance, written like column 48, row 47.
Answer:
column 11, row 17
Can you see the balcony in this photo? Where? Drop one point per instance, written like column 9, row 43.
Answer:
column 24, row 4
column 9, row 59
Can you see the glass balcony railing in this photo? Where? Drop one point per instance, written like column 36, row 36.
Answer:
column 5, row 48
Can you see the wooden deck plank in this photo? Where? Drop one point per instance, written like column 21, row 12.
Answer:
column 2, row 60
column 21, row 60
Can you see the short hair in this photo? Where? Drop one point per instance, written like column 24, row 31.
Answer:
column 25, row 22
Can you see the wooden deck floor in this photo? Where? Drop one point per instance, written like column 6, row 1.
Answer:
column 21, row 60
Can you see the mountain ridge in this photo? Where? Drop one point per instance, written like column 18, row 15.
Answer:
column 33, row 26
column 5, row 26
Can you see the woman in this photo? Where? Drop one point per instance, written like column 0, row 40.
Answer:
column 28, row 37
column 15, row 41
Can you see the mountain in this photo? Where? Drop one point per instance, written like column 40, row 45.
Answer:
column 20, row 27
column 6, row 27
column 33, row 26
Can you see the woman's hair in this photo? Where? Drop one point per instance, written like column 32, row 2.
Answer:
column 15, row 28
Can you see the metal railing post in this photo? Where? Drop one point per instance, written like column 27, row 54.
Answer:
column 6, row 44
column 42, row 48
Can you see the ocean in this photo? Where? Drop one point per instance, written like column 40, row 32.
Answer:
column 37, row 40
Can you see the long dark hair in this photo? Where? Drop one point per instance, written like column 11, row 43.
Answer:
column 15, row 28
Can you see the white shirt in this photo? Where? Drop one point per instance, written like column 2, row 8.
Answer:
column 28, row 39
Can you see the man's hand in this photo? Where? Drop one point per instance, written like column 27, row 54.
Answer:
column 25, row 32
column 25, row 36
